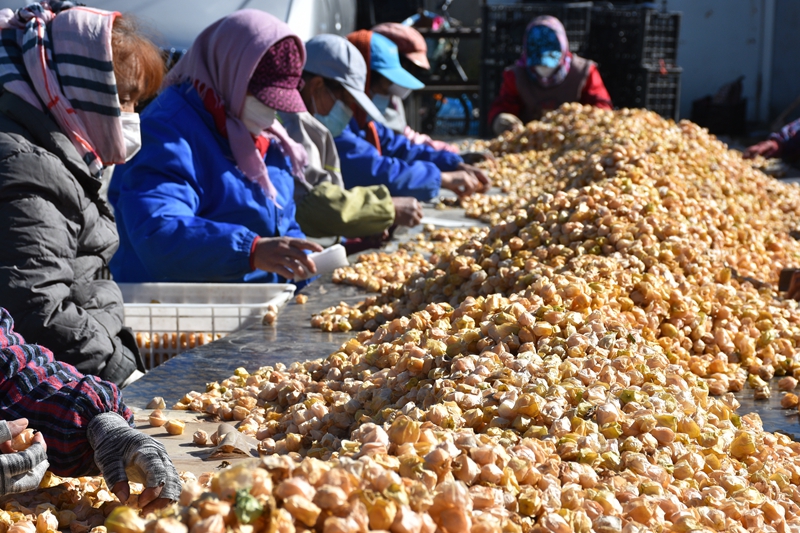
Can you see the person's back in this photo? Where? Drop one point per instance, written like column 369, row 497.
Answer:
column 57, row 132
column 210, row 197
column 182, row 197
column 373, row 154
column 49, row 201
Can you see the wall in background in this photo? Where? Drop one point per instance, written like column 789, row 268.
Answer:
column 720, row 41
column 786, row 57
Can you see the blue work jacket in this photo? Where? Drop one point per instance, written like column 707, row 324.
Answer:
column 185, row 212
column 407, row 169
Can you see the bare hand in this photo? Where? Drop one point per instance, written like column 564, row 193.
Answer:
column 506, row 122
column 460, row 182
column 471, row 158
column 407, row 211
column 284, row 256
column 768, row 148
column 479, row 174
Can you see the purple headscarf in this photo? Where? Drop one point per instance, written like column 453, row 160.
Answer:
column 566, row 57
column 223, row 58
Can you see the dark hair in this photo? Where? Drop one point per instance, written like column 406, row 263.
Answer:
column 138, row 64
column 333, row 85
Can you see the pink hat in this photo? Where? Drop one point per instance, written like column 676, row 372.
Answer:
column 409, row 41
column 277, row 78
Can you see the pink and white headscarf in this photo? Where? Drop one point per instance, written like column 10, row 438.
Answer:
column 223, row 58
column 67, row 71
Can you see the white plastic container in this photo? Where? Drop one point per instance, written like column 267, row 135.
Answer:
column 329, row 259
column 169, row 318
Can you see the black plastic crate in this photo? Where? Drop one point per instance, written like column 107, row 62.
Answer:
column 720, row 119
column 491, row 80
column 641, row 37
column 654, row 88
column 504, row 26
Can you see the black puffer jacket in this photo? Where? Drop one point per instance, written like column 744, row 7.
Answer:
column 56, row 234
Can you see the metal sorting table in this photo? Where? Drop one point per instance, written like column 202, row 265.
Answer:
column 291, row 338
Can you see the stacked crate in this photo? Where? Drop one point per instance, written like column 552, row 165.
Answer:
column 503, row 30
column 636, row 53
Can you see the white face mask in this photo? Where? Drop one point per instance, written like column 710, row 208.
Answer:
column 257, row 116
column 543, row 71
column 131, row 133
column 397, row 90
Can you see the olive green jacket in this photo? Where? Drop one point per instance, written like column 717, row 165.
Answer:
column 324, row 207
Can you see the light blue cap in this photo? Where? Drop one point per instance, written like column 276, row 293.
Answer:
column 385, row 59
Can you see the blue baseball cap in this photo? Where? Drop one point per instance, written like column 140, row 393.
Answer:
column 385, row 59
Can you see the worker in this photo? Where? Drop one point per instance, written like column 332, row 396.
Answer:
column 784, row 144
column 373, row 154
column 84, row 428
column 66, row 112
column 210, row 196
column 546, row 76
column 414, row 58
column 333, row 83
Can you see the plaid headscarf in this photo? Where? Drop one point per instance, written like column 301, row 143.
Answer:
column 59, row 60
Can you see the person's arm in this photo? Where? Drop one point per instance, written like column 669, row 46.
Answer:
column 363, row 165
column 595, row 92
column 329, row 210
column 508, row 101
column 40, row 242
column 56, row 399
column 399, row 146
column 420, row 138
column 159, row 201
column 788, row 139
column 86, row 426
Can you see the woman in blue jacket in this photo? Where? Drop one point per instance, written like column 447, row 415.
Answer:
column 372, row 154
column 209, row 198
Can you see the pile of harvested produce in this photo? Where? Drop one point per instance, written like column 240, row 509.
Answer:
column 373, row 271
column 569, row 370
column 675, row 233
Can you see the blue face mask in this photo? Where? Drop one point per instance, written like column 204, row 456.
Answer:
column 543, row 48
column 336, row 121
column 381, row 101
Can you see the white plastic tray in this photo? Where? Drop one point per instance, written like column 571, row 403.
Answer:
column 169, row 318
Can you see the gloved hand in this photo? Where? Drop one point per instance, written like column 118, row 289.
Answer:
column 768, row 148
column 20, row 471
column 123, row 453
column 505, row 122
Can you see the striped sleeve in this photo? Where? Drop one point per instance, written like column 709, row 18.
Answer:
column 56, row 399
column 788, row 139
